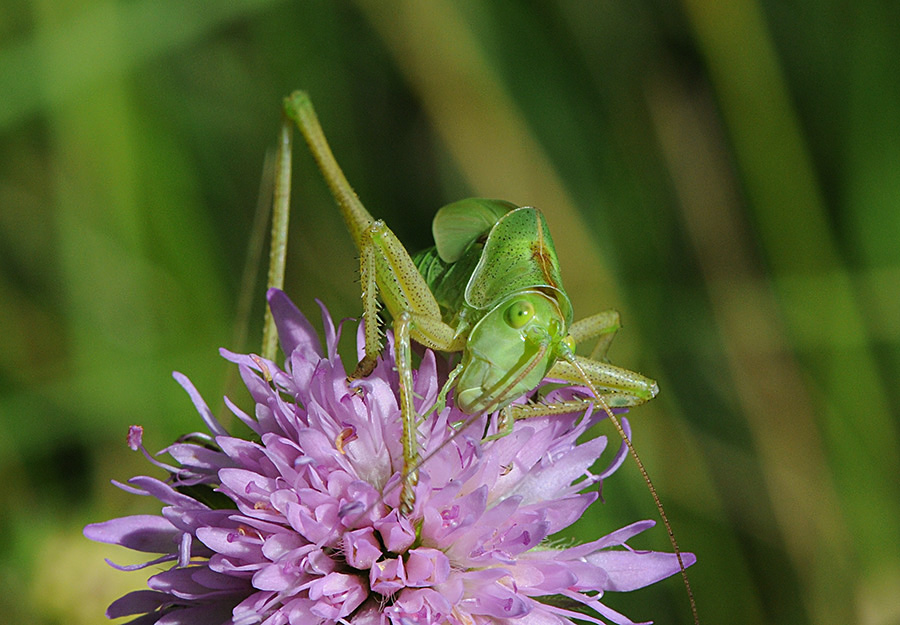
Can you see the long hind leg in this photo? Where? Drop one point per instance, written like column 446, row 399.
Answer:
column 386, row 269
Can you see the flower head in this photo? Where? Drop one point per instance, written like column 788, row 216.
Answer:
column 302, row 524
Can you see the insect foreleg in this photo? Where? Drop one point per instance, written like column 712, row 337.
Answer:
column 602, row 326
column 441, row 402
column 515, row 412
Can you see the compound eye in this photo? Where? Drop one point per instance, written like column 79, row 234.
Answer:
column 519, row 313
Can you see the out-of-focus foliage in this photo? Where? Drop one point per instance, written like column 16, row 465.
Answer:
column 727, row 174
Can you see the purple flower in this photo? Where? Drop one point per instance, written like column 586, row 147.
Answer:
column 302, row 524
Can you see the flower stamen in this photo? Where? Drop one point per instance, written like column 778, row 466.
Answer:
column 348, row 434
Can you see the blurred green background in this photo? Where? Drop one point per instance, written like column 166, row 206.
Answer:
column 726, row 174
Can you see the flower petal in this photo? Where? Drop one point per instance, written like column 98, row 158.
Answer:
column 137, row 602
column 630, row 570
column 142, row 532
column 205, row 413
column 295, row 332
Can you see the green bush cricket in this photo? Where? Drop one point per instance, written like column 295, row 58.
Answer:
column 490, row 288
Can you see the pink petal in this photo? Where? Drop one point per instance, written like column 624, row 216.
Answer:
column 143, row 532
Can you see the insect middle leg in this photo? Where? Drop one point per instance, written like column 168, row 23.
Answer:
column 615, row 387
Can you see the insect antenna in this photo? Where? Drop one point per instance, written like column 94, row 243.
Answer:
column 631, row 450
